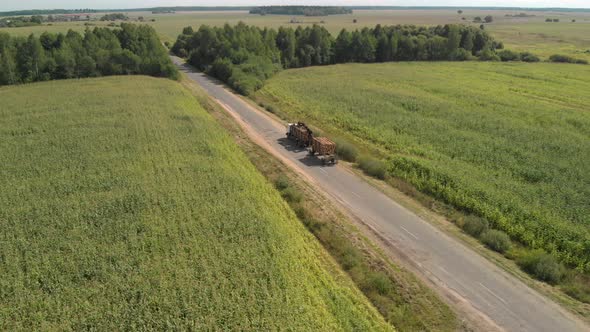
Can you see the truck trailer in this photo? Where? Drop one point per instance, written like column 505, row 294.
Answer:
column 324, row 148
column 300, row 133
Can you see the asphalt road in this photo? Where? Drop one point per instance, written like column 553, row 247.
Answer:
column 506, row 301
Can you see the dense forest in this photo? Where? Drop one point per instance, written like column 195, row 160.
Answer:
column 301, row 10
column 244, row 56
column 132, row 49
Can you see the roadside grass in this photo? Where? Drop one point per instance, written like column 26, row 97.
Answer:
column 471, row 146
column 126, row 206
column 400, row 297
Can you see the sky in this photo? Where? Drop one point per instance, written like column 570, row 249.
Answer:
column 6, row 5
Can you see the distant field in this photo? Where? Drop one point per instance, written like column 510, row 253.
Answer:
column 510, row 142
column 522, row 34
column 545, row 39
column 125, row 206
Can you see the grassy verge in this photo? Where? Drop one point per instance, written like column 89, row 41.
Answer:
column 399, row 296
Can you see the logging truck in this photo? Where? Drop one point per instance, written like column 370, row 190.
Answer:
column 300, row 133
column 322, row 147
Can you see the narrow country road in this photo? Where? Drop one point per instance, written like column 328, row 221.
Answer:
column 506, row 301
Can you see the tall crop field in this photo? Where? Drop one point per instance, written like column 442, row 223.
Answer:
column 124, row 206
column 510, row 142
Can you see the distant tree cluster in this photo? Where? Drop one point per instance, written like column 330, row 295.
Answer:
column 46, row 12
column 555, row 20
column 114, row 17
column 519, row 15
column 567, row 59
column 21, row 21
column 507, row 55
column 487, row 19
column 244, row 56
column 301, row 10
column 100, row 52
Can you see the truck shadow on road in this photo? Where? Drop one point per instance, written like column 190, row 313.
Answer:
column 302, row 153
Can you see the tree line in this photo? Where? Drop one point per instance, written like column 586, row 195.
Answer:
column 21, row 21
column 244, row 56
column 301, row 10
column 114, row 17
column 132, row 49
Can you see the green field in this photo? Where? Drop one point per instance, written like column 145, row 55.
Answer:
column 545, row 39
column 521, row 34
column 127, row 207
column 510, row 142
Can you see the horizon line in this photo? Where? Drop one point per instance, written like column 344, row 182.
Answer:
column 359, row 7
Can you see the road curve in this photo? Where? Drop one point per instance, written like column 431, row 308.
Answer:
column 505, row 300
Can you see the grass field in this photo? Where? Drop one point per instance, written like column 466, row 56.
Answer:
column 510, row 142
column 545, row 39
column 521, row 34
column 125, row 206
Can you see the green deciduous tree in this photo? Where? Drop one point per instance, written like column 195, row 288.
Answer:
column 343, row 47
column 209, row 48
column 287, row 43
column 453, row 41
column 101, row 51
column 31, row 58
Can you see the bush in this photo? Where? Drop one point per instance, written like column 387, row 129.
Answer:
column 373, row 167
column 461, row 54
column 270, row 108
column 282, row 182
column 507, row 55
column 529, row 57
column 292, row 195
column 243, row 83
column 221, row 68
column 496, row 240
column 182, row 53
column 566, row 59
column 475, row 226
column 349, row 257
column 578, row 290
column 346, row 151
column 542, row 266
column 488, row 55
column 380, row 282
